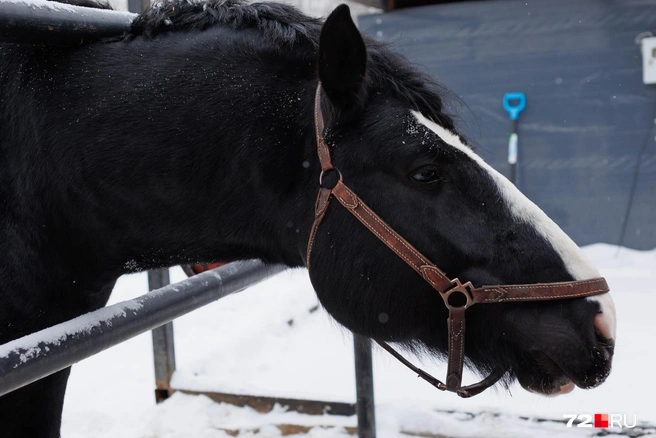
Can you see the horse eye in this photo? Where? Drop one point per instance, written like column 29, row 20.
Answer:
column 426, row 174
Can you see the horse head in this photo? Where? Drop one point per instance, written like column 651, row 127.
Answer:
column 395, row 145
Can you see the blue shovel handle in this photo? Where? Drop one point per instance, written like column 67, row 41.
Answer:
column 514, row 110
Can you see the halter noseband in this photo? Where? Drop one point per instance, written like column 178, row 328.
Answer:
column 458, row 297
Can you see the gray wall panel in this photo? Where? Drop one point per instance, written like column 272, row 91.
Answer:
column 588, row 113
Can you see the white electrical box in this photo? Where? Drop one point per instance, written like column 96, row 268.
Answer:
column 648, row 60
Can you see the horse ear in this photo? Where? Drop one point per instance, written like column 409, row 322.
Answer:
column 342, row 60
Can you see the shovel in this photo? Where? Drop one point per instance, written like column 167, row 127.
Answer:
column 513, row 103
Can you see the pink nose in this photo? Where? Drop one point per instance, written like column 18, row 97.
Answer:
column 605, row 320
column 567, row 388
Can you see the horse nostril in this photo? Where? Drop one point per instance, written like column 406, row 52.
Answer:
column 605, row 347
column 606, row 344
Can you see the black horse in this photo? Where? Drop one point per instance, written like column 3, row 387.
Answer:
column 191, row 139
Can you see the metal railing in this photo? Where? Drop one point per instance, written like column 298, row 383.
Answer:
column 40, row 354
column 42, row 22
column 47, row 351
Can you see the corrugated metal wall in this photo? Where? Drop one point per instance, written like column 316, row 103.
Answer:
column 588, row 113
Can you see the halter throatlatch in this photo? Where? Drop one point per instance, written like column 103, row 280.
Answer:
column 457, row 296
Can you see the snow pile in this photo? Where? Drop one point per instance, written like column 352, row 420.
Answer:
column 274, row 340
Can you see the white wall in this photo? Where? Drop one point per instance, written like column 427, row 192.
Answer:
column 317, row 8
column 119, row 5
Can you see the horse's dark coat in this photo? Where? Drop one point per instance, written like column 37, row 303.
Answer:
column 192, row 140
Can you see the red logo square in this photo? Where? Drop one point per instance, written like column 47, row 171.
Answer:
column 600, row 420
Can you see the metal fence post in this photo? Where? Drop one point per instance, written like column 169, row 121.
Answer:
column 364, row 386
column 163, row 343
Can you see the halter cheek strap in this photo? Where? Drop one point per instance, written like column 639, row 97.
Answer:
column 457, row 296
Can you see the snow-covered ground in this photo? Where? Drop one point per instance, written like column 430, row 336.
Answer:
column 271, row 340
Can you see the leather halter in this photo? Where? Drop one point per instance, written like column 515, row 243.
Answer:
column 457, row 296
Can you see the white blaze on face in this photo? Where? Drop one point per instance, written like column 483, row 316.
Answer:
column 524, row 210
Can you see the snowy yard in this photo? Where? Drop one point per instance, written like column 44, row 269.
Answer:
column 269, row 340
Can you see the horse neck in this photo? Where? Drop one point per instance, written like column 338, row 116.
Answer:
column 196, row 163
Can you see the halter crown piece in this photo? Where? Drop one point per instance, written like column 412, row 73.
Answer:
column 457, row 296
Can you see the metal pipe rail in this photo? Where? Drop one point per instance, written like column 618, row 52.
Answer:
column 46, row 22
column 43, row 353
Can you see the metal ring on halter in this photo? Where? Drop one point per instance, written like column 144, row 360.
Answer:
column 323, row 172
column 459, row 288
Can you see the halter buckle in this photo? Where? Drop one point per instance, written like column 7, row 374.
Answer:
column 459, row 295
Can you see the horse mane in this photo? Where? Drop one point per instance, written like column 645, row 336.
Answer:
column 287, row 26
column 395, row 74
column 280, row 23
